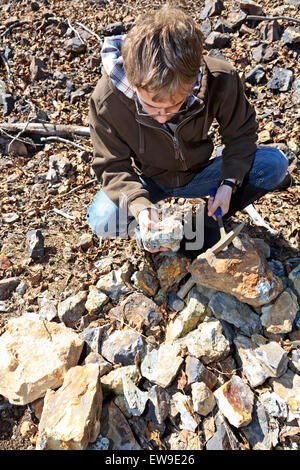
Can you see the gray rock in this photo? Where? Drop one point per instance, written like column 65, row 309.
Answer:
column 35, row 244
column 112, row 284
column 203, row 399
column 222, row 26
column 37, row 69
column 48, row 308
column 211, row 8
column 274, row 405
column 72, row 309
column 217, row 40
column 93, row 336
column 295, row 361
column 169, row 235
column 116, row 429
column 75, row 45
column 76, row 95
column 158, row 404
column 294, row 279
column 223, row 438
column 184, row 404
column 8, row 103
column 174, row 302
column 291, row 35
column 161, row 365
column 236, row 18
column 255, row 75
column 281, row 80
column 122, row 346
column 252, row 8
column 273, row 358
column 3, row 307
column 263, row 53
column 296, row 92
column 207, row 342
column 205, row 27
column 135, row 399
column 278, row 317
column 252, row 368
column 262, row 433
column 229, row 308
column 197, row 372
column 7, row 286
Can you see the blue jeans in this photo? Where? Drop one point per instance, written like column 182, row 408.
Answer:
column 267, row 171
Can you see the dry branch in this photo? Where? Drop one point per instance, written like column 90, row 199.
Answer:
column 46, row 129
column 272, row 18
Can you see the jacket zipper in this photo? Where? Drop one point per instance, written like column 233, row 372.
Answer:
column 178, row 153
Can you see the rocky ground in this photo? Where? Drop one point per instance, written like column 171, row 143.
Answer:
column 49, row 64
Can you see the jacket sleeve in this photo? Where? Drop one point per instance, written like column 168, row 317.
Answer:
column 112, row 163
column 238, row 128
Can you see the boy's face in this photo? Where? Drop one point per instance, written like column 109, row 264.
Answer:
column 159, row 109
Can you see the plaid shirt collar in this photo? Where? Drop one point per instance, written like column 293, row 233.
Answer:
column 112, row 61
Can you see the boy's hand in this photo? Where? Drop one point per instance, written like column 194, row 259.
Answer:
column 221, row 199
column 148, row 220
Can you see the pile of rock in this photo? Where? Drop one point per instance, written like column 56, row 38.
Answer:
column 118, row 368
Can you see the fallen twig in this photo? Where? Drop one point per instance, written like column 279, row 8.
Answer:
column 90, row 31
column 75, row 31
column 271, row 18
column 60, row 139
column 46, row 129
column 63, row 214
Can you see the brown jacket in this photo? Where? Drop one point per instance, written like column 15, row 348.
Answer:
column 127, row 145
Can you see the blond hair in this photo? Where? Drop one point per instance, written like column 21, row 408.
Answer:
column 162, row 53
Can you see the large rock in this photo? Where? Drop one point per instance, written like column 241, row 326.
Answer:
column 34, row 357
column 227, row 307
column 161, row 365
column 113, row 381
column 261, row 362
column 135, row 399
column 262, row 432
column 122, row 346
column 7, row 286
column 288, row 388
column 294, row 278
column 113, row 284
column 235, row 400
column 207, row 342
column 188, row 318
column 116, row 429
column 71, row 415
column 203, row 398
column 278, row 317
column 184, row 404
column 197, row 372
column 72, row 309
column 137, row 309
column 239, row 271
column 169, row 235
